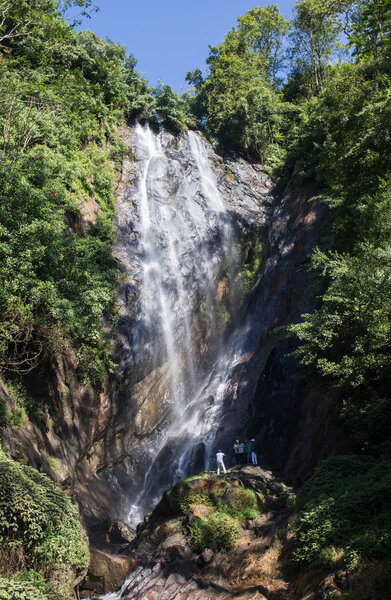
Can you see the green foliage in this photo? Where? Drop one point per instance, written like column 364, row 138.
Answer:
column 17, row 588
column 261, row 32
column 370, row 32
column 344, row 344
column 55, row 281
column 39, row 533
column 347, row 340
column 218, row 530
column 171, row 109
column 346, row 505
column 252, row 260
column 18, row 403
column 317, row 28
column 63, row 95
column 238, row 101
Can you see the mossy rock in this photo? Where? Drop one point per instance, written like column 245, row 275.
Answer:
column 218, row 531
column 168, row 528
column 39, row 530
column 199, row 511
column 204, row 489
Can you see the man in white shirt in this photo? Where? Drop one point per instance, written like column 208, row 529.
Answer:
column 220, row 462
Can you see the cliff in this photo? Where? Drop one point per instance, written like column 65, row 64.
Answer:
column 219, row 255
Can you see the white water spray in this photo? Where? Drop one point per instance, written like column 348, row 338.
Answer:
column 186, row 242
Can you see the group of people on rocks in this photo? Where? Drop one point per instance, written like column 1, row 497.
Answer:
column 245, row 453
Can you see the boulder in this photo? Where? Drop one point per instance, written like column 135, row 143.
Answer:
column 207, row 555
column 107, row 572
column 120, row 533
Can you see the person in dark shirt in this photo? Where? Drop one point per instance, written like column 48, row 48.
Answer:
column 248, row 451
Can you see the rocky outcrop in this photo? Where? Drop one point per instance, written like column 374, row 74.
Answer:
column 172, row 560
column 207, row 294
column 169, row 565
column 262, row 396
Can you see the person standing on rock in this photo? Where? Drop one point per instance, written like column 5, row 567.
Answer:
column 249, row 446
column 253, row 452
column 220, row 462
column 241, row 453
column 236, row 445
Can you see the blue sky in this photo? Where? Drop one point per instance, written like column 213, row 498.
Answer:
column 170, row 37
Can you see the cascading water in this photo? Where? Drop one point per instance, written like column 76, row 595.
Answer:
column 199, row 358
column 186, row 241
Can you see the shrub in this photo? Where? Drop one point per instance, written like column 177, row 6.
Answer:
column 39, row 531
column 219, row 529
column 17, row 589
column 347, row 505
column 194, row 497
column 242, row 505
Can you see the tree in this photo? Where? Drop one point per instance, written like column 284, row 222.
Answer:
column 171, row 109
column 263, row 30
column 239, row 102
column 316, row 31
column 370, row 32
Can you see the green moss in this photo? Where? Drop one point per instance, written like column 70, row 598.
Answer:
column 229, row 173
column 223, row 317
column 18, row 405
column 144, row 535
column 252, row 260
column 55, row 463
column 194, row 497
column 219, row 529
column 242, row 506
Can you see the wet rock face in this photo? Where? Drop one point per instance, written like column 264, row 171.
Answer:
column 184, row 221
column 214, row 262
column 293, row 424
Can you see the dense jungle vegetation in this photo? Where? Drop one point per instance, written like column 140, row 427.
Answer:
column 310, row 99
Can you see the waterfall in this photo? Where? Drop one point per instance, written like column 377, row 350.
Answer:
column 186, row 243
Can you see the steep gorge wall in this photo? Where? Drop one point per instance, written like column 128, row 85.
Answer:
column 98, row 444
